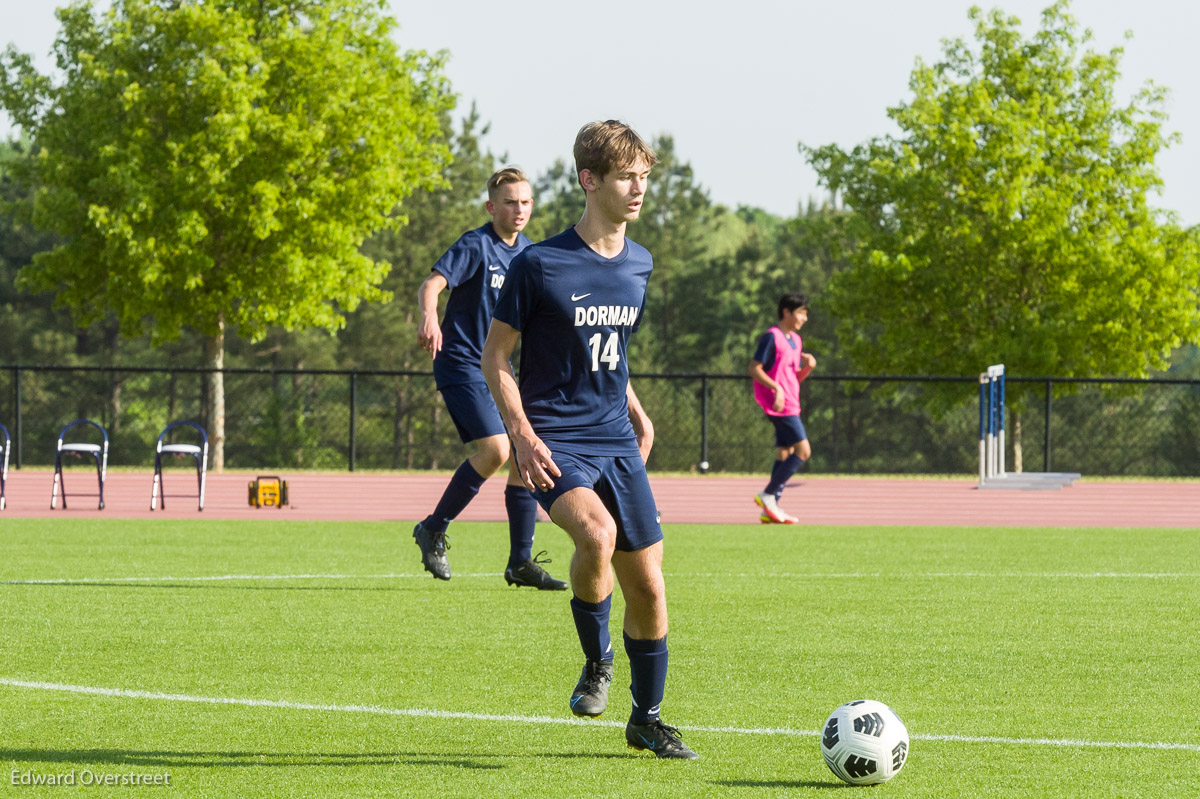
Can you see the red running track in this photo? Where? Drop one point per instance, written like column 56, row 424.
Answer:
column 698, row 499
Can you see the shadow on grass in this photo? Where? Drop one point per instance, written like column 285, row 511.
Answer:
column 782, row 784
column 214, row 585
column 129, row 757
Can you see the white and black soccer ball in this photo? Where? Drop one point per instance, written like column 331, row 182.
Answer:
column 864, row 742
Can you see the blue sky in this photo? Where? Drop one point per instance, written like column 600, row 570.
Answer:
column 737, row 84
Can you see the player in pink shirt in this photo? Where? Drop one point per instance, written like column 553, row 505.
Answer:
column 779, row 365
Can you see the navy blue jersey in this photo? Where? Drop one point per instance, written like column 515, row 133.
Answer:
column 576, row 310
column 475, row 268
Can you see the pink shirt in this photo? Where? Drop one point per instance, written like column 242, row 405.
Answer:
column 783, row 372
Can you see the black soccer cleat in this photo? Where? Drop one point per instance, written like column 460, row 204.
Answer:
column 661, row 739
column 591, row 692
column 433, row 551
column 530, row 573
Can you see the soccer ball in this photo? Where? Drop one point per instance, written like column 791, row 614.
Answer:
column 864, row 742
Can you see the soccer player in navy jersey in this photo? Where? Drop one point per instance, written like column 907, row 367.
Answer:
column 778, row 367
column 474, row 269
column 580, row 436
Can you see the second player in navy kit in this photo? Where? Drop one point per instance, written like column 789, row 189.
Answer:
column 580, row 436
column 474, row 269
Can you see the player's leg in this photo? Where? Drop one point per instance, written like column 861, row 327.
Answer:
column 575, row 507
column 524, row 568
column 478, row 422
column 645, row 633
column 792, row 450
column 793, row 460
column 645, row 627
column 637, row 562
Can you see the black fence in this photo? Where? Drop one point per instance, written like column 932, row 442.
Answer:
column 276, row 419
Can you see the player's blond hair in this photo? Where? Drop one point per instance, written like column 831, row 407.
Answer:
column 510, row 174
column 602, row 147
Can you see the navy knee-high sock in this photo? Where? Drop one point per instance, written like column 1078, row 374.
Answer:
column 781, row 472
column 591, row 622
column 522, row 516
column 647, row 676
column 464, row 485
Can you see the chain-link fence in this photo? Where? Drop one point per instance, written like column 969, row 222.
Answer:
column 276, row 419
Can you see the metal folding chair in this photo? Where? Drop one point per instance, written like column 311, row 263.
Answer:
column 4, row 463
column 158, row 494
column 79, row 449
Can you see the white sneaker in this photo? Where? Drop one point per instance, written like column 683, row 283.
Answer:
column 771, row 510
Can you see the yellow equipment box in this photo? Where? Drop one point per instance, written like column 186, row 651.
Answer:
column 267, row 492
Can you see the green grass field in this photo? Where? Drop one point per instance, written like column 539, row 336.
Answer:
column 1026, row 663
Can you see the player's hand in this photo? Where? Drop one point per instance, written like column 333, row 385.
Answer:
column 809, row 361
column 643, row 430
column 429, row 336
column 535, row 464
column 777, row 406
column 644, row 445
column 645, row 438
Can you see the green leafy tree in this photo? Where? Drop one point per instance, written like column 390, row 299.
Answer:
column 677, row 225
column 754, row 257
column 31, row 330
column 558, row 201
column 730, row 294
column 1008, row 221
column 34, row 331
column 219, row 164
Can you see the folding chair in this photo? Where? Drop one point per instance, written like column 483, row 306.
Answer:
column 4, row 463
column 79, row 449
column 158, row 494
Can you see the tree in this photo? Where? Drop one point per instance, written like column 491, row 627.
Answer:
column 754, row 258
column 558, row 201
column 1008, row 222
column 31, row 331
column 677, row 224
column 218, row 164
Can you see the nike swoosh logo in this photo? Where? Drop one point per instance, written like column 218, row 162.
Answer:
column 493, row 268
column 649, row 744
column 580, row 297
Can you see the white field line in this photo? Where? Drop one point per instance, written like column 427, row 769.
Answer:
column 515, row 719
column 696, row 575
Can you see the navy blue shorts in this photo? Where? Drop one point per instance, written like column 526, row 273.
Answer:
column 789, row 430
column 473, row 410
column 623, row 487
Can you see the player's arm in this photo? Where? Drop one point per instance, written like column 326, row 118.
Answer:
column 429, row 332
column 759, row 375
column 534, row 461
column 809, row 363
column 643, row 428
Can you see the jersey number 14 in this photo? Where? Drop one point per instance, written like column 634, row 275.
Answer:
column 611, row 355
